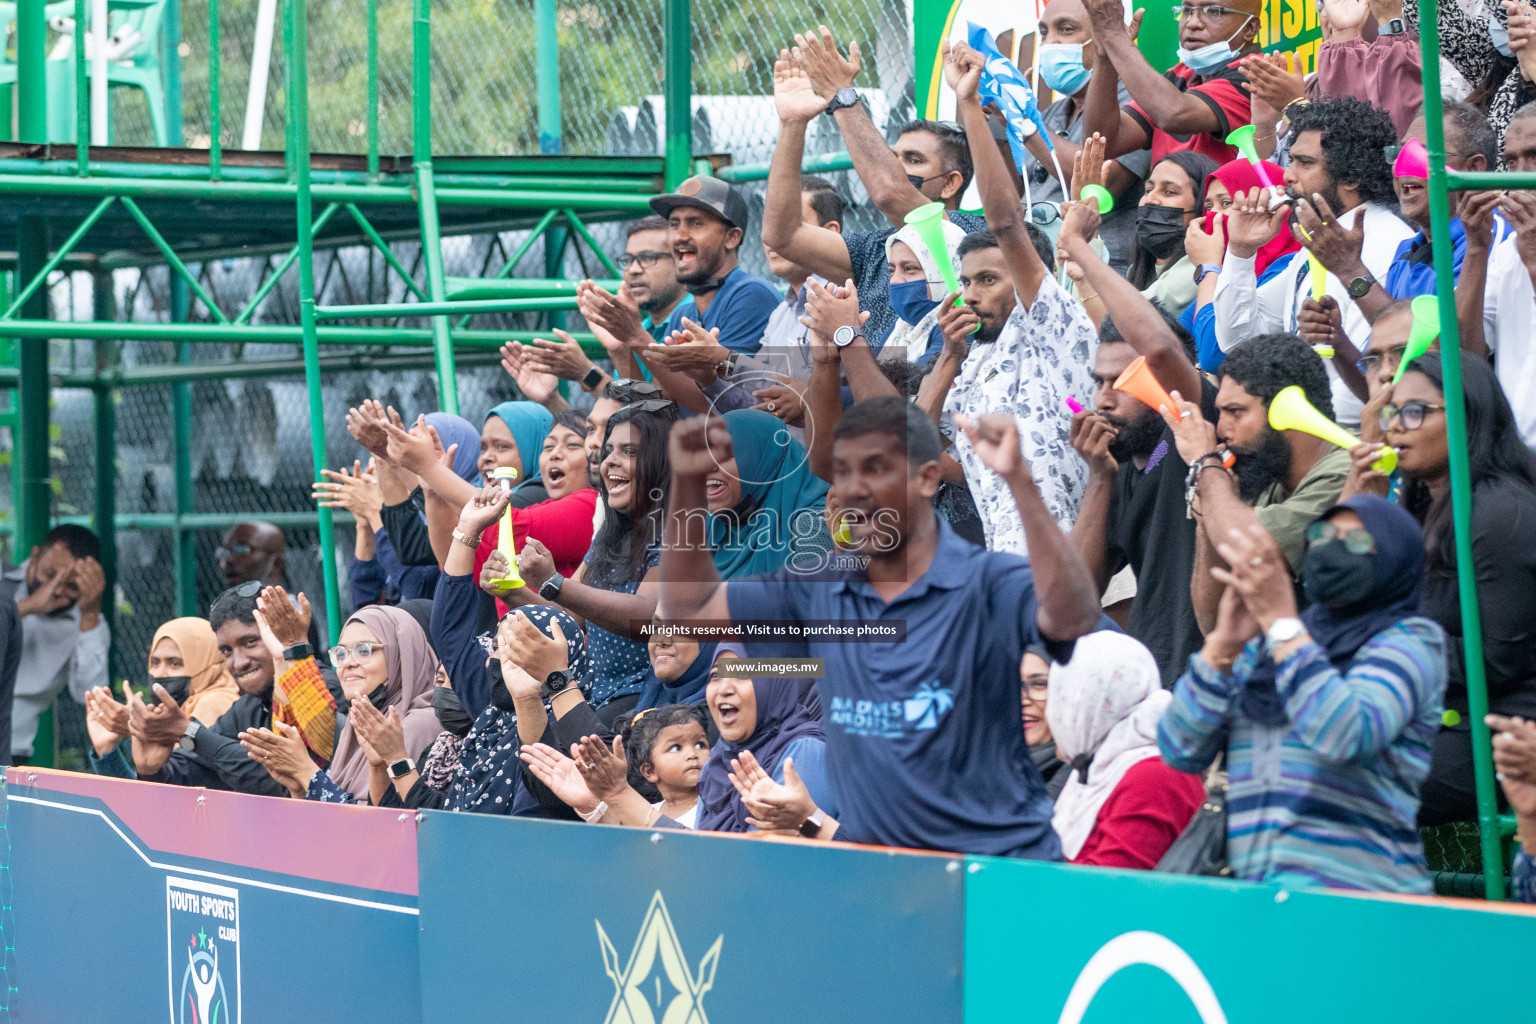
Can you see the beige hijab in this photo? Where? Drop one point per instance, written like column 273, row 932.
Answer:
column 213, row 689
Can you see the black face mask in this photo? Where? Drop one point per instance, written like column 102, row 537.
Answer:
column 1160, row 229
column 1336, row 577
column 500, row 695
column 379, row 698
column 450, row 711
column 177, row 686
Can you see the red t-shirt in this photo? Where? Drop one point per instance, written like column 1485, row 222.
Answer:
column 1142, row 817
column 1223, row 93
column 564, row 525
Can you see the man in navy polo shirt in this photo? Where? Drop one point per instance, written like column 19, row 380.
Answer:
column 924, row 748
column 706, row 221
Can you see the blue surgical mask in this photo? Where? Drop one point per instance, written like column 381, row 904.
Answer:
column 910, row 300
column 1499, row 35
column 1061, row 65
column 1213, row 57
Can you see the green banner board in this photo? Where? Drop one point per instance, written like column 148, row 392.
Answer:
column 1059, row 945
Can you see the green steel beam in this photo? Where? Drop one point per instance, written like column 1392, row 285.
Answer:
column 823, row 164
column 104, row 421
column 198, row 521
column 58, row 257
column 282, row 268
column 31, row 71
column 215, row 76
column 527, row 243
column 444, row 308
column 42, row 185
column 389, row 257
column 581, row 229
column 1496, row 181
column 373, row 90
column 297, row 119
column 170, row 60
column 83, row 138
column 432, row 248
column 181, row 419
column 178, row 268
column 464, row 288
column 546, row 36
column 1456, row 437
column 287, row 334
column 677, row 89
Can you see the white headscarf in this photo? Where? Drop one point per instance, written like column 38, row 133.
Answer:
column 1105, row 703
column 910, row 341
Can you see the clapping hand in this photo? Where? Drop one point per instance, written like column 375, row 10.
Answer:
column 795, row 100
column 536, row 383
column 771, row 806
column 485, row 508
column 356, row 491
column 559, row 775
column 366, row 425
column 817, row 55
column 605, row 770
column 828, row 308
column 1257, row 570
column 382, row 736
column 694, row 351
column 281, row 751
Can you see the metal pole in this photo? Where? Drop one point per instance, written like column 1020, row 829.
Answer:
column 261, row 64
column 215, row 94
column 104, row 401
column 678, row 90
column 31, row 71
column 32, row 394
column 298, row 145
column 373, row 91
column 181, row 434
column 426, row 195
column 1461, row 477
column 170, row 57
column 546, row 29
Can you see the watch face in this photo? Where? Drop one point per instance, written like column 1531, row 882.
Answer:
column 842, row 337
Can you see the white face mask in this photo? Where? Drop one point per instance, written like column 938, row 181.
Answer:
column 1213, row 57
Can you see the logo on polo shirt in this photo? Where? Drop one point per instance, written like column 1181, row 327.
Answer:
column 204, row 926
column 928, row 705
column 891, row 720
column 656, row 986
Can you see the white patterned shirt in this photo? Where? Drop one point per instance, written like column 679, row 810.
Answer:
column 1044, row 355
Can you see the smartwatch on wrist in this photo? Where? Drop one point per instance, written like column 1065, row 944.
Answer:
column 1360, row 286
column 1394, row 27
column 843, row 336
column 298, row 652
column 549, row 590
column 592, row 378
column 401, row 768
column 1206, row 268
column 1283, row 631
column 844, row 97
column 726, row 366
column 810, row 828
column 560, row 679
column 189, row 738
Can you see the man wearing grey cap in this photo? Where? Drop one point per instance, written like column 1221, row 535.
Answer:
column 706, row 220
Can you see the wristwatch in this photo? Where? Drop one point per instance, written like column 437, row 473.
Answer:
column 843, row 336
column 1283, row 631
column 473, row 543
column 592, row 378
column 549, row 590
column 1206, row 268
column 1360, row 286
column 726, row 366
column 558, row 680
column 298, row 652
column 844, row 97
column 1393, row 27
column 810, row 828
column 1027, row 128
column 401, row 768
column 189, row 738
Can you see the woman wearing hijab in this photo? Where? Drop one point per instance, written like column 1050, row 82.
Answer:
column 1206, row 247
column 766, row 718
column 513, row 436
column 1331, row 715
column 679, row 670
column 184, row 658
column 916, row 288
column 1121, row 807
column 1503, row 527
column 382, row 658
column 765, row 504
column 1174, row 196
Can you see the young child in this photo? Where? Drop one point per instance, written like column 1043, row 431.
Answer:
column 667, row 748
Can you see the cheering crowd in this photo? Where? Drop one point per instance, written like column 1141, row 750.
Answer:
column 1139, row 489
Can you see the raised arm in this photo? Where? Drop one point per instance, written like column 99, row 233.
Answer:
column 877, row 167
column 1175, row 112
column 826, row 310
column 784, row 230
column 1068, row 601
column 690, row 585
column 1138, row 320
column 999, row 199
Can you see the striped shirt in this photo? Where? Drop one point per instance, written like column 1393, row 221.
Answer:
column 1332, row 798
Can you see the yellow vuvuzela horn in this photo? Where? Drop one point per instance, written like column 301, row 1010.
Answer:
column 504, row 536
column 1290, row 410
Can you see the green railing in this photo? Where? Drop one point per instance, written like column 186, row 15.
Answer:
column 1491, row 829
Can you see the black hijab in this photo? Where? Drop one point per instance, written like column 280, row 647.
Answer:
column 1398, row 579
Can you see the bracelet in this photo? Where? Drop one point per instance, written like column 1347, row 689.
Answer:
column 568, row 689
column 595, row 815
column 465, row 539
column 1192, row 478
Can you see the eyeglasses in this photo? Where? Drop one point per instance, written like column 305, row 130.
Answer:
column 1205, row 12
column 653, row 405
column 648, row 258
column 358, row 652
column 1411, row 413
column 1356, row 542
column 1044, row 213
column 1371, row 362
column 628, row 389
column 1036, row 688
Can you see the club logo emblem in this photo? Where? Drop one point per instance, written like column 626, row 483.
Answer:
column 1151, row 949
column 656, row 986
column 203, row 924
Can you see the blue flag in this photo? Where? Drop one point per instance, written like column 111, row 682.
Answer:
column 1003, row 84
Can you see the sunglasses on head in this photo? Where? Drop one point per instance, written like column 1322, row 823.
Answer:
column 628, row 389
